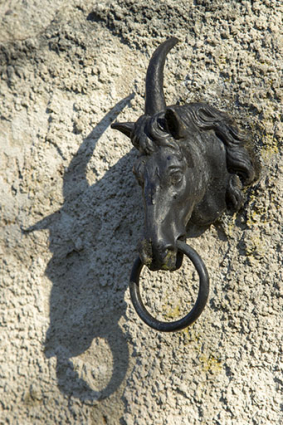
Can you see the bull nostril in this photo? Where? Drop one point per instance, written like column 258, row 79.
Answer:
column 169, row 248
column 145, row 251
column 172, row 247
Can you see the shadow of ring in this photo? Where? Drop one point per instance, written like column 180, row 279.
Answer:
column 196, row 310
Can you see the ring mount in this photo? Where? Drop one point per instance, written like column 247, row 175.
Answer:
column 195, row 311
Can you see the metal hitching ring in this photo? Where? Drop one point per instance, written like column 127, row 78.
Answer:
column 195, row 311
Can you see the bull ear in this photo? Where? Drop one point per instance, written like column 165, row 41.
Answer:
column 174, row 124
column 125, row 127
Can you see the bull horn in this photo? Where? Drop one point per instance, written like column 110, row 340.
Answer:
column 124, row 127
column 154, row 95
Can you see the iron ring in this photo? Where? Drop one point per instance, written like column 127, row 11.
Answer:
column 195, row 311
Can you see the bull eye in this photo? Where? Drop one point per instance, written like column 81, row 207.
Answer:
column 176, row 177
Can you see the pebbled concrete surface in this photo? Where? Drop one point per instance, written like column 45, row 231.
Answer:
column 72, row 347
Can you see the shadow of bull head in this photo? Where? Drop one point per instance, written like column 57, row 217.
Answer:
column 192, row 167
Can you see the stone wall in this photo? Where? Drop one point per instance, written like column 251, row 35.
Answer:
column 73, row 350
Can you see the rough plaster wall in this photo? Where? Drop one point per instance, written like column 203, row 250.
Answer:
column 72, row 347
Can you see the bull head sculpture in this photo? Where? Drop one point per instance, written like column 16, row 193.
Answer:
column 192, row 167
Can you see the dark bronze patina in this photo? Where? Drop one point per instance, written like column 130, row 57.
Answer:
column 192, row 167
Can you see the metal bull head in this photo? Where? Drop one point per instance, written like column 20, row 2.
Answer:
column 192, row 167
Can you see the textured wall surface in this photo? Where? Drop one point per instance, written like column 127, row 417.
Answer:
column 72, row 349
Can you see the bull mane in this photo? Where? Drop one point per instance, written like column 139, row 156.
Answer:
column 206, row 117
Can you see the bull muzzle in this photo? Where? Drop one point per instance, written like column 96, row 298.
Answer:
column 160, row 256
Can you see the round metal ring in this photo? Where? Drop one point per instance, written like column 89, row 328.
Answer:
column 195, row 311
